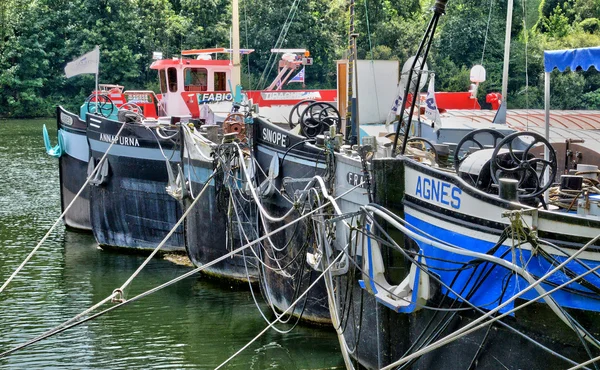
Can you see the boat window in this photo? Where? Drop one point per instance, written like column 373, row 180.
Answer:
column 220, row 81
column 196, row 79
column 172, row 74
column 162, row 77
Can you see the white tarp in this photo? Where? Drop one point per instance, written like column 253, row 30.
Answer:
column 87, row 63
column 377, row 84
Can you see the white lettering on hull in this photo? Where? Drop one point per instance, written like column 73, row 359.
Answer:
column 294, row 95
column 122, row 140
column 274, row 137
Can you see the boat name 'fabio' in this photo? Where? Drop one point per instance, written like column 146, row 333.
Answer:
column 274, row 137
column 122, row 140
column 438, row 191
column 214, row 97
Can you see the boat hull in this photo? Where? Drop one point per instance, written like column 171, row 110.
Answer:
column 130, row 207
column 211, row 230
column 464, row 295
column 73, row 166
column 287, row 275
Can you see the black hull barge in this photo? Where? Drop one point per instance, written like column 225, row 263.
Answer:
column 130, row 207
column 73, row 168
column 212, row 228
column 288, row 162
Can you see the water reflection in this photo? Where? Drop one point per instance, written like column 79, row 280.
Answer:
column 195, row 323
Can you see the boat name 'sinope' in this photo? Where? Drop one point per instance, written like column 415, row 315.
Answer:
column 274, row 137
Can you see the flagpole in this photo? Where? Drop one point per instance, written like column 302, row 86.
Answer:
column 97, row 72
column 304, row 77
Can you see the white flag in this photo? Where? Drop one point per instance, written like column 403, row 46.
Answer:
column 87, row 63
column 431, row 110
column 397, row 106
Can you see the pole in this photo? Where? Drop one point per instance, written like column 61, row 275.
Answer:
column 547, row 131
column 235, row 22
column 355, row 127
column 509, row 13
column 97, row 72
column 350, row 104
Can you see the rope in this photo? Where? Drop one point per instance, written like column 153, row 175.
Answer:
column 171, row 232
column 457, row 294
column 62, row 215
column 371, row 53
column 277, row 320
column 247, row 46
column 475, row 325
column 62, row 327
column 486, row 32
column 526, row 64
column 280, row 39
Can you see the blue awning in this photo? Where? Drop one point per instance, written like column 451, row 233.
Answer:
column 572, row 58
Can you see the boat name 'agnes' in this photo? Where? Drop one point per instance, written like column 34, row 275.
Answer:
column 438, row 191
column 122, row 140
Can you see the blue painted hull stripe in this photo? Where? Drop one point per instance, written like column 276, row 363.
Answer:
column 488, row 293
column 76, row 145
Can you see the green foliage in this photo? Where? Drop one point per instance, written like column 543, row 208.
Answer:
column 590, row 25
column 557, row 25
column 38, row 38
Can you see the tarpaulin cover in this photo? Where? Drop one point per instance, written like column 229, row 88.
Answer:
column 572, row 58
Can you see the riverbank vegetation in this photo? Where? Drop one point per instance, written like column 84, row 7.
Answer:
column 38, row 38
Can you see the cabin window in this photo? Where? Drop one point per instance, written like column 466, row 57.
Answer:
column 162, row 77
column 172, row 74
column 196, row 79
column 220, row 81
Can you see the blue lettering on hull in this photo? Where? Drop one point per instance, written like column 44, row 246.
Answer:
column 439, row 191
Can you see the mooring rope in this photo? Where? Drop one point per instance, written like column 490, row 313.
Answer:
column 450, row 338
column 62, row 215
column 120, row 290
column 63, row 327
column 171, row 232
column 475, row 325
column 284, row 312
column 457, row 294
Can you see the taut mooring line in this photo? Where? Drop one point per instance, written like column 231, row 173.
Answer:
column 64, row 326
column 284, row 312
column 476, row 323
column 120, row 290
column 14, row 274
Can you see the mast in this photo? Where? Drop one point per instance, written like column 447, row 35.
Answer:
column 509, row 13
column 351, row 106
column 236, row 75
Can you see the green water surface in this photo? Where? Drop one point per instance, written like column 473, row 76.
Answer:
column 196, row 323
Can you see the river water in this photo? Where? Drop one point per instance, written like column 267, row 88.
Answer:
column 196, row 323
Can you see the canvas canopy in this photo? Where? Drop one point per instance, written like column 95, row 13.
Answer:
column 572, row 58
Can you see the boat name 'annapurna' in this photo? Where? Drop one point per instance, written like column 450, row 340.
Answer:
column 122, row 140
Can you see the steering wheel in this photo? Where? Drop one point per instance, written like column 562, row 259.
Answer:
column 521, row 166
column 318, row 117
column 428, row 153
column 470, row 137
column 102, row 105
column 294, row 117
